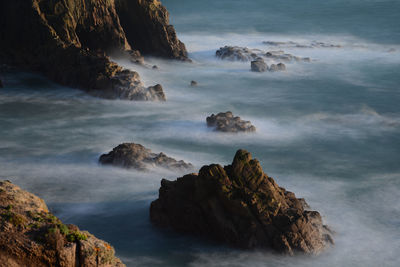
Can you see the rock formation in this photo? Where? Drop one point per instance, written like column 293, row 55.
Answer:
column 236, row 53
column 226, row 122
column 130, row 155
column 239, row 205
column 30, row 235
column 70, row 41
column 147, row 28
column 277, row 67
column 259, row 65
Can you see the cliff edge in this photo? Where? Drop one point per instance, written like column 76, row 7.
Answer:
column 70, row 42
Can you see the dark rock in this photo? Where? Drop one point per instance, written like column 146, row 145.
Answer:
column 147, row 28
column 226, row 122
column 155, row 67
column 277, row 67
column 30, row 235
column 256, row 56
column 130, row 155
column 236, row 53
column 239, row 205
column 69, row 41
column 193, row 83
column 259, row 65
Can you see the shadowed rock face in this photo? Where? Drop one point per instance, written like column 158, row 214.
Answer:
column 136, row 156
column 226, row 122
column 30, row 235
column 239, row 205
column 147, row 28
column 68, row 41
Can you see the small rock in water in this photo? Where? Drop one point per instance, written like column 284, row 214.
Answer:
column 259, row 65
column 193, row 83
column 277, row 67
column 242, row 206
column 136, row 57
column 236, row 53
column 226, row 122
column 136, row 156
column 155, row 67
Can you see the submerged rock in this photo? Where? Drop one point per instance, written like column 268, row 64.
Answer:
column 136, row 156
column 226, row 122
column 313, row 44
column 277, row 67
column 236, row 53
column 30, row 235
column 193, row 83
column 259, row 65
column 70, row 41
column 239, row 205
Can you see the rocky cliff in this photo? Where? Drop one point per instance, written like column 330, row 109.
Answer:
column 30, row 235
column 147, row 28
column 69, row 41
column 240, row 205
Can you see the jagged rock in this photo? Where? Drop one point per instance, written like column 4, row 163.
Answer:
column 259, row 65
column 130, row 155
column 226, row 122
column 236, row 53
column 277, row 67
column 69, row 41
column 239, row 205
column 147, row 28
column 193, row 83
column 30, row 235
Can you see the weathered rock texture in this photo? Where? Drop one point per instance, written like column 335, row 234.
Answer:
column 259, row 57
column 239, row 205
column 136, row 156
column 226, row 122
column 30, row 235
column 147, row 28
column 69, row 42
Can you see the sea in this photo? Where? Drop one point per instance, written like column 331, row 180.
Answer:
column 327, row 130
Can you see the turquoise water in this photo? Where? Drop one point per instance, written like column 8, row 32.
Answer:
column 327, row 130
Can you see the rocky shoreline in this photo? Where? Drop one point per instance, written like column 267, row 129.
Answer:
column 71, row 42
column 30, row 235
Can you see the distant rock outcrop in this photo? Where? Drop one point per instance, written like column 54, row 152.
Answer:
column 136, row 156
column 30, row 235
column 226, row 122
column 70, row 41
column 239, row 205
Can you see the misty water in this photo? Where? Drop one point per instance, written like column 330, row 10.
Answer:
column 328, row 130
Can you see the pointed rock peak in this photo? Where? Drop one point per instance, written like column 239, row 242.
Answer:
column 241, row 156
